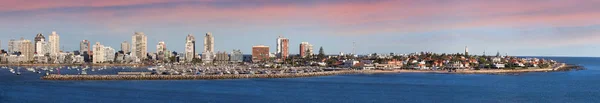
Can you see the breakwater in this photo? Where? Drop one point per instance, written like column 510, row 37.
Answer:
column 193, row 77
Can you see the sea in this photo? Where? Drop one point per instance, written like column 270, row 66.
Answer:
column 581, row 86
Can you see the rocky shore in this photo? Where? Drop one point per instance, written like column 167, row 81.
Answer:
column 561, row 67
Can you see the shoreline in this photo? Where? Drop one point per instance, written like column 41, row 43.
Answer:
column 34, row 65
column 562, row 67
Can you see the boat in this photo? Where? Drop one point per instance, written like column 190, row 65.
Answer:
column 83, row 72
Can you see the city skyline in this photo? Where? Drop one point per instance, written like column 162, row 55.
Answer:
column 554, row 28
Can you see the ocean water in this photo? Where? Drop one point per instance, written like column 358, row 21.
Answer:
column 571, row 86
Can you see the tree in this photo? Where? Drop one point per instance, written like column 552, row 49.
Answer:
column 321, row 53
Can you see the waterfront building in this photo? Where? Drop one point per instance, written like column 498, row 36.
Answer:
column 42, row 47
column 260, row 53
column 27, row 50
column 139, row 43
column 15, row 58
column 161, row 47
column 109, row 54
column 222, row 58
column 13, row 46
column 236, row 56
column 190, row 48
column 161, row 50
column 208, row 53
column 77, row 59
column 84, row 46
column 98, row 53
column 306, row 49
column 40, row 59
column 38, row 38
column 282, row 48
column 54, row 41
column 125, row 47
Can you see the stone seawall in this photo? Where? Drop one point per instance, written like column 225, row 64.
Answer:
column 192, row 77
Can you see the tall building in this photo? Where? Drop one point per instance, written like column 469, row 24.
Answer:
column 207, row 54
column 190, row 48
column 54, row 41
column 139, row 43
column 109, row 54
column 26, row 49
column 84, row 46
column 161, row 47
column 236, row 56
column 222, row 58
column 42, row 47
column 282, row 47
column 13, row 45
column 98, row 53
column 38, row 38
column 125, row 47
column 306, row 49
column 260, row 53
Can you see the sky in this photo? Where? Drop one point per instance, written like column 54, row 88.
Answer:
column 513, row 27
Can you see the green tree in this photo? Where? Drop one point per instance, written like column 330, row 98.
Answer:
column 321, row 53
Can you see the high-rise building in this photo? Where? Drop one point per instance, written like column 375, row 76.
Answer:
column 306, row 49
column 236, row 56
column 109, row 54
column 139, row 43
column 54, row 41
column 26, row 49
column 190, row 48
column 125, row 47
column 38, row 38
column 84, row 46
column 260, row 53
column 282, row 47
column 222, row 58
column 161, row 47
column 13, row 45
column 98, row 53
column 42, row 48
column 207, row 54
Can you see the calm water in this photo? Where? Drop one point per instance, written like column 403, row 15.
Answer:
column 572, row 86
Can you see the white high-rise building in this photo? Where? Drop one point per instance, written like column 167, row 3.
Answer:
column 98, row 53
column 38, row 38
column 190, row 48
column 42, row 47
column 139, row 43
column 109, row 54
column 125, row 47
column 13, row 45
column 161, row 47
column 208, row 53
column 54, row 41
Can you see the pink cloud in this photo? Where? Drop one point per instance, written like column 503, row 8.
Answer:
column 347, row 18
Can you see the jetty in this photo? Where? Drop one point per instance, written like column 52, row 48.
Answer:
column 193, row 77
